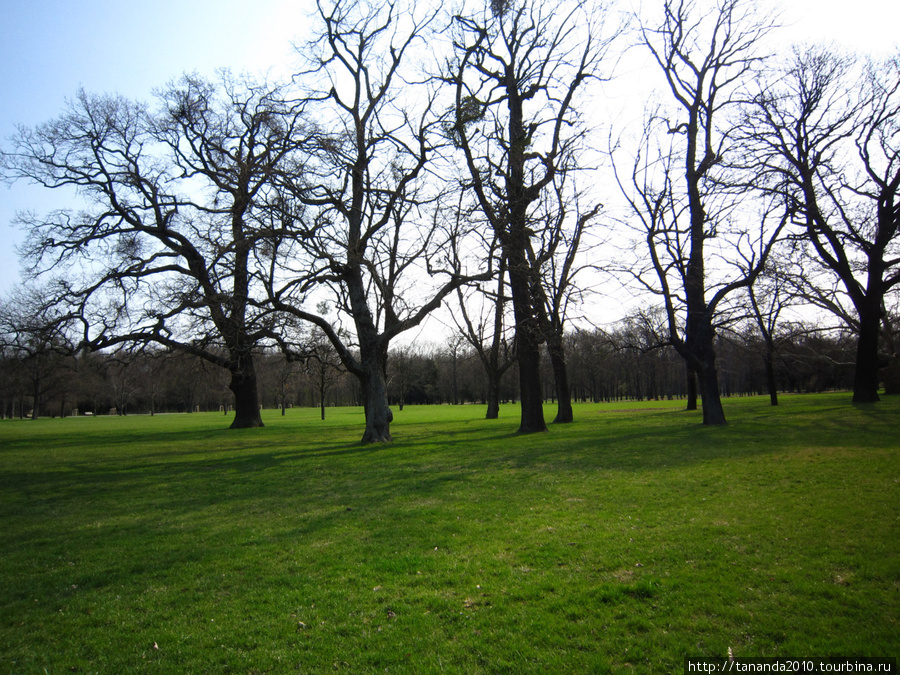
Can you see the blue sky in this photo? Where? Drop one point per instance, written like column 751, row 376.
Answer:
column 50, row 48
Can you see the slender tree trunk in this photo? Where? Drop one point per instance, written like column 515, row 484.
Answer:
column 557, row 353
column 771, row 382
column 36, row 409
column 246, row 395
column 454, row 377
column 492, row 362
column 553, row 334
column 691, row 389
column 493, row 397
column 494, row 372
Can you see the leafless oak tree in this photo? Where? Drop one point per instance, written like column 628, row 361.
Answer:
column 679, row 190
column 826, row 130
column 366, row 216
column 166, row 250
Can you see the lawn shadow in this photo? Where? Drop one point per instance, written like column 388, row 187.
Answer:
column 182, row 471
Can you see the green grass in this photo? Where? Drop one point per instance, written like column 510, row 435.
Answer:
column 620, row 543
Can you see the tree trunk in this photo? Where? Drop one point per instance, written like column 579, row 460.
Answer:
column 454, row 377
column 514, row 240
column 532, row 403
column 713, row 413
column 35, row 411
column 691, row 389
column 492, row 361
column 561, row 379
column 372, row 380
column 771, row 382
column 378, row 414
column 493, row 397
column 246, row 396
column 528, row 341
column 868, row 364
column 321, row 389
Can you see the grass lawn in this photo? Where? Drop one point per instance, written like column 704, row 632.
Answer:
column 620, row 543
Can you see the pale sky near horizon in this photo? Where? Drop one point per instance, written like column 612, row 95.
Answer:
column 51, row 48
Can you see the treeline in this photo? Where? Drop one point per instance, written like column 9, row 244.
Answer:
column 605, row 366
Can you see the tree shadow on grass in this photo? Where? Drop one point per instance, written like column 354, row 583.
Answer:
column 203, row 468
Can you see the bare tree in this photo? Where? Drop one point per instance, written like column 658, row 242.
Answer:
column 323, row 367
column 679, row 189
column 366, row 216
column 827, row 132
column 486, row 333
column 768, row 299
column 517, row 72
column 280, row 374
column 557, row 255
column 166, row 251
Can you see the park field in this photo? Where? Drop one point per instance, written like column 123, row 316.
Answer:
column 620, row 543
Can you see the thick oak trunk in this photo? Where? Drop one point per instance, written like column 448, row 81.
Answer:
column 246, row 396
column 532, row 403
column 711, row 401
column 493, row 398
column 868, row 364
column 528, row 343
column 700, row 355
column 699, row 352
column 378, row 414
